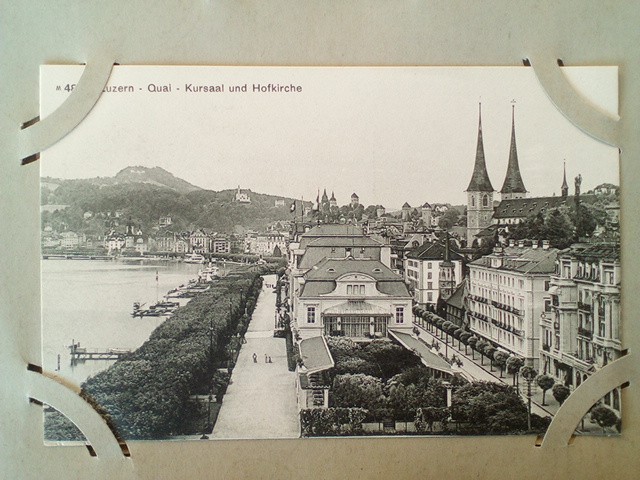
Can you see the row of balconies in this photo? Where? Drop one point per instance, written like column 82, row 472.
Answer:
column 478, row 298
column 506, row 308
column 480, row 316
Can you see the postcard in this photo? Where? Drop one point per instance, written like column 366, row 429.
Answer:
column 286, row 252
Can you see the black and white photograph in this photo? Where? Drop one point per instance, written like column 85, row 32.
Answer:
column 287, row 252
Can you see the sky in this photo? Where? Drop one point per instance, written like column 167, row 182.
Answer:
column 389, row 134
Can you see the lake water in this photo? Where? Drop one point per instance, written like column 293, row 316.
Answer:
column 91, row 301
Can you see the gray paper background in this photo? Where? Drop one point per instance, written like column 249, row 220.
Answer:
column 287, row 32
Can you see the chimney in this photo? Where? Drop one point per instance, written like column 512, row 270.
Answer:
column 545, row 244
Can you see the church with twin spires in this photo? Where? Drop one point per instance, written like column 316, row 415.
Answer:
column 514, row 206
column 480, row 190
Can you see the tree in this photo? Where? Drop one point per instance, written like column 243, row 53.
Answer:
column 560, row 392
column 488, row 408
column 464, row 338
column 473, row 343
column 489, row 350
column 481, row 344
column 358, row 390
column 457, row 333
column 604, row 416
column 545, row 382
column 513, row 367
column 449, row 219
column 500, row 359
column 559, row 229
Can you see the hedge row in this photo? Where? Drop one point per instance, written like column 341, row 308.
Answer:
column 147, row 394
column 315, row 422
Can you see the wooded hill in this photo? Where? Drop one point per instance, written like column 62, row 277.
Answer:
column 145, row 195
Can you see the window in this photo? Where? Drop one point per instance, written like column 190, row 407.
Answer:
column 473, row 201
column 311, row 314
column 429, row 275
column 608, row 277
column 547, row 305
column 547, row 283
column 429, row 296
column 399, row 314
column 429, row 265
column 485, row 200
column 429, row 286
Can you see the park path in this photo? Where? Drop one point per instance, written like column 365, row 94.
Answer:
column 261, row 399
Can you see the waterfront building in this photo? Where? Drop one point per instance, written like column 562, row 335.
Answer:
column 165, row 241
column 580, row 330
column 182, row 244
column 508, row 292
column 69, row 239
column 422, row 270
column 114, row 242
column 356, row 298
column 220, row 245
column 265, row 243
column 200, row 241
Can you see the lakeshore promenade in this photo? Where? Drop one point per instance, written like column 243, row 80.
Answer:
column 261, row 399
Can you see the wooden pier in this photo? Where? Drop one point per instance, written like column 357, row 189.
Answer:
column 80, row 354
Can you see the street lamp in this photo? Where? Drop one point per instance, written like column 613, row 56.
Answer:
column 529, row 374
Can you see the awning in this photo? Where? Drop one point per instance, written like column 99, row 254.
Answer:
column 315, row 354
column 429, row 359
column 355, row 307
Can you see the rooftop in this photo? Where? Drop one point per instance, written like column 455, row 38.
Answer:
column 429, row 359
column 315, row 354
column 522, row 260
column 331, row 269
column 525, row 207
column 432, row 251
column 594, row 251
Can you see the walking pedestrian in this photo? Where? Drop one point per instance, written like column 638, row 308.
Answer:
column 270, row 360
column 255, row 358
column 265, row 358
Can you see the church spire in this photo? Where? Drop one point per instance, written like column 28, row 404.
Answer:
column 480, row 179
column 565, row 187
column 513, row 186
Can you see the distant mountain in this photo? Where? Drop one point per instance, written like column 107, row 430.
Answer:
column 153, row 176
